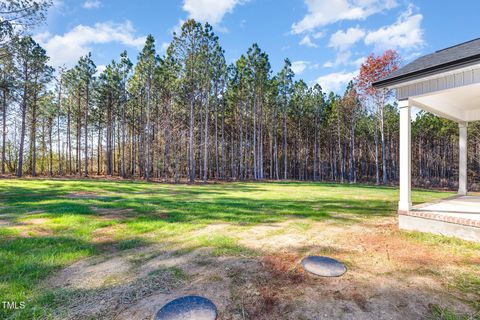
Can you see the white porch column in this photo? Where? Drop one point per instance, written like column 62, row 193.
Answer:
column 462, row 159
column 405, row 203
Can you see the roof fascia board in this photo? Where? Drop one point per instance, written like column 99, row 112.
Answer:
column 436, row 76
column 420, row 75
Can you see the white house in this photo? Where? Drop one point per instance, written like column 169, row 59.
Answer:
column 446, row 83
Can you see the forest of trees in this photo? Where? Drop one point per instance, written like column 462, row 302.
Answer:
column 187, row 115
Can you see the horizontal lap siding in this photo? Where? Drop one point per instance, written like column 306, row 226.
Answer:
column 450, row 81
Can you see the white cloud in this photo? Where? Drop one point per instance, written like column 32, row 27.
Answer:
column 345, row 58
column 342, row 40
column 336, row 81
column 299, row 66
column 342, row 58
column 57, row 3
column 306, row 41
column 67, row 48
column 405, row 33
column 358, row 62
column 318, row 35
column 92, row 4
column 329, row 64
column 324, row 12
column 211, row 11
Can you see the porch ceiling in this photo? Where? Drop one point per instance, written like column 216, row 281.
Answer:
column 461, row 104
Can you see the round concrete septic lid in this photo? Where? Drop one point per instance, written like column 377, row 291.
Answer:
column 323, row 266
column 188, row 308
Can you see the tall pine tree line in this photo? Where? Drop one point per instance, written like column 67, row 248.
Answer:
column 188, row 116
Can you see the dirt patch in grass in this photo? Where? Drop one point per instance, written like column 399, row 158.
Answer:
column 162, row 215
column 84, row 195
column 113, row 213
column 28, row 232
column 134, row 284
column 8, row 219
column 106, row 235
column 33, row 212
column 117, row 295
column 5, row 223
column 28, row 228
column 35, row 221
column 35, row 233
column 91, row 273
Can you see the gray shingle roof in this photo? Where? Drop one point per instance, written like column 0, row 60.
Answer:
column 438, row 61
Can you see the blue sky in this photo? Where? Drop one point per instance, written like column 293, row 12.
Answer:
column 325, row 39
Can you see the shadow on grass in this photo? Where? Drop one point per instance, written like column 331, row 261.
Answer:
column 185, row 207
column 25, row 261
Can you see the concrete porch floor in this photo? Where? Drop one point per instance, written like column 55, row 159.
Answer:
column 457, row 216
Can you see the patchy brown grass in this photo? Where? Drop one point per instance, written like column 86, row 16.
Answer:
column 389, row 244
column 113, row 213
column 36, row 227
column 106, row 235
column 284, row 267
column 33, row 232
column 84, row 195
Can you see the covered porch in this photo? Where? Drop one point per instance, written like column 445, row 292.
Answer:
column 445, row 83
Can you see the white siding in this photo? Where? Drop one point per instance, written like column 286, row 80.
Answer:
column 439, row 83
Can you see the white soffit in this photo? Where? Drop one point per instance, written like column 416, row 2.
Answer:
column 458, row 104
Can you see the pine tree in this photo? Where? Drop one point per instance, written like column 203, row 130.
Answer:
column 285, row 81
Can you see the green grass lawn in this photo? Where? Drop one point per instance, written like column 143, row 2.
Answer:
column 46, row 225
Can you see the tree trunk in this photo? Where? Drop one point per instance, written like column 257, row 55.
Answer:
column 205, row 155
column 223, row 140
column 382, row 134
column 352, row 175
column 241, row 142
column 109, row 123
column 377, row 169
column 255, row 172
column 79, row 132
column 69, row 139
column 86, row 128
column 340, row 154
column 50, row 146
column 33, row 136
column 285, row 143
column 275, row 144
column 191, row 161
column 148, row 132
column 124, row 129
column 22, row 131
column 216, row 137
column 60, row 169
column 4, row 126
